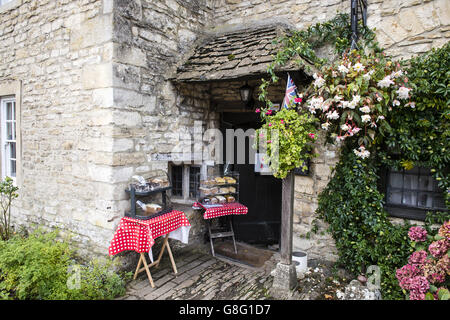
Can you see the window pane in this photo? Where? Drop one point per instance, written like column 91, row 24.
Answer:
column 395, row 197
column 396, row 180
column 177, row 181
column 409, row 198
column 13, row 168
column 425, row 183
column 12, row 150
column 9, row 111
column 425, row 200
column 411, row 182
column 439, row 202
column 9, row 131
column 193, row 181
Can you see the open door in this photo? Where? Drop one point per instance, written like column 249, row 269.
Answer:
column 260, row 193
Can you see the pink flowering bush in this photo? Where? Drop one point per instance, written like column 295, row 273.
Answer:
column 426, row 276
column 417, row 234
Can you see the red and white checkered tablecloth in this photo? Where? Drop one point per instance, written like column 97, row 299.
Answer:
column 224, row 210
column 139, row 235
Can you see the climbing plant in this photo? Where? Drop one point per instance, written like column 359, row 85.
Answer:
column 398, row 107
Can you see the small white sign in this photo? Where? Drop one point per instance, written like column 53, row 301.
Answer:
column 260, row 166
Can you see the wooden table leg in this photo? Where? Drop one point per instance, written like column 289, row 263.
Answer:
column 169, row 251
column 232, row 232
column 147, row 270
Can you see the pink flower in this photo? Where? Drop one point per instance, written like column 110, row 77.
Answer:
column 311, row 135
column 405, row 274
column 269, row 141
column 419, row 284
column 415, row 295
column 438, row 248
column 444, row 230
column 417, row 234
column 257, row 110
column 270, row 124
column 298, row 100
column 418, row 258
column 282, row 121
column 269, row 112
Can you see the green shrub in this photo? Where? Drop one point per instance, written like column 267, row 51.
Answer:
column 39, row 267
column 364, row 236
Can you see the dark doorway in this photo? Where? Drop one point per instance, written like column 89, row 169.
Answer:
column 260, row 193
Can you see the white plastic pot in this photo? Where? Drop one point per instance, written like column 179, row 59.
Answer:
column 302, row 259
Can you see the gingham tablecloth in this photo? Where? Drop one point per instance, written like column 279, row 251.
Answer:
column 224, row 210
column 139, row 235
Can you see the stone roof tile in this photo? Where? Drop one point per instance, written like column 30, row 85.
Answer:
column 231, row 55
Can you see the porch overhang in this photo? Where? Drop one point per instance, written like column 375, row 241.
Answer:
column 239, row 53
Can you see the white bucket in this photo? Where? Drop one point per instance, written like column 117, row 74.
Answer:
column 302, row 259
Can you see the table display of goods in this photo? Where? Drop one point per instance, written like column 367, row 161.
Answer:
column 216, row 190
column 140, row 188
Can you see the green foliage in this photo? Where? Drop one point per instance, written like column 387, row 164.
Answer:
column 421, row 136
column 286, row 135
column 364, row 236
column 301, row 44
column 8, row 192
column 37, row 267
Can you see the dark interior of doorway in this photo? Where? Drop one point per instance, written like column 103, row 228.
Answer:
column 260, row 193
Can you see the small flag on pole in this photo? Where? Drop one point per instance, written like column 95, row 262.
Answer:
column 291, row 92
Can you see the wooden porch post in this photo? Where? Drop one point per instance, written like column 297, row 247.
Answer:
column 287, row 218
column 285, row 277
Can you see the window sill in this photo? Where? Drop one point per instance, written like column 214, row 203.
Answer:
column 10, row 5
column 183, row 201
column 407, row 213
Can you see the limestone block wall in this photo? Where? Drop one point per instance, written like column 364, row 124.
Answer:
column 61, row 52
column 152, row 117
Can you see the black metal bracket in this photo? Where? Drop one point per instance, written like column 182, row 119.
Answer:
column 357, row 6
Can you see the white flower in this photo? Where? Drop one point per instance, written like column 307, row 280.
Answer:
column 386, row 82
column 340, row 138
column 315, row 76
column 345, row 104
column 397, row 74
column 365, row 118
column 403, row 93
column 362, row 152
column 343, row 69
column 395, row 103
column 357, row 98
column 334, row 74
column 352, row 104
column 319, row 82
column 358, row 67
column 345, row 127
column 315, row 103
column 325, row 125
column 412, row 104
column 337, row 98
column 325, row 107
column 373, row 125
column 380, row 118
column 333, row 115
column 365, row 109
column 355, row 130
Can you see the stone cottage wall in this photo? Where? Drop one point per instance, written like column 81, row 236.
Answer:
column 61, row 52
column 97, row 105
column 154, row 118
column 405, row 28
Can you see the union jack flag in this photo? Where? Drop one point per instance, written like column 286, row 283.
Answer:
column 291, row 92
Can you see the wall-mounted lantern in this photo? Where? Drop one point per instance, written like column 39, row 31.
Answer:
column 246, row 93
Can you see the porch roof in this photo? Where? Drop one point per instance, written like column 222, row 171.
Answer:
column 231, row 54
